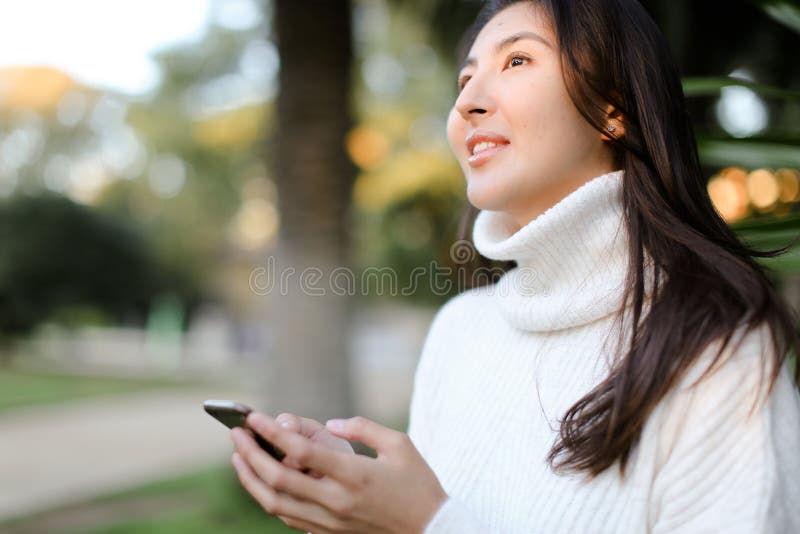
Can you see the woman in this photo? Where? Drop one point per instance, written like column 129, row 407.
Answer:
column 630, row 374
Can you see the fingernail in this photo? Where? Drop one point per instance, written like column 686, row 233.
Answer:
column 335, row 424
column 285, row 423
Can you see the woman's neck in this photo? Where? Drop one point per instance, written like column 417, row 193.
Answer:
column 571, row 260
column 522, row 215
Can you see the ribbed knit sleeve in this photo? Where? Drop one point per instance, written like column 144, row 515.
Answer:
column 454, row 516
column 424, row 391
column 724, row 468
column 427, row 392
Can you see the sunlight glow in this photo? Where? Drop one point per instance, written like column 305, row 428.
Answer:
column 101, row 43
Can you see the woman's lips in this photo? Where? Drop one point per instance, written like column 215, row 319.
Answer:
column 482, row 157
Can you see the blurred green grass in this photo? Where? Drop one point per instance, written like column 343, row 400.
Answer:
column 28, row 388
column 208, row 501
column 219, row 504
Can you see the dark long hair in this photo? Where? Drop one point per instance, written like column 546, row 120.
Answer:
column 613, row 53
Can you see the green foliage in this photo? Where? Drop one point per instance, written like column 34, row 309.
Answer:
column 773, row 233
column 407, row 236
column 748, row 153
column 61, row 260
column 777, row 147
column 784, row 11
column 711, row 86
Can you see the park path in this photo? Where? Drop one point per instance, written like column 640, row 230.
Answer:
column 63, row 454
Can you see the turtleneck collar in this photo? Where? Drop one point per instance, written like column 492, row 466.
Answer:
column 571, row 260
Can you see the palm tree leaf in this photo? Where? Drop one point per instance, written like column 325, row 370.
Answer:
column 784, row 11
column 711, row 85
column 748, row 153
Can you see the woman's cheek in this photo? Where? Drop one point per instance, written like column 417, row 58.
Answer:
column 454, row 133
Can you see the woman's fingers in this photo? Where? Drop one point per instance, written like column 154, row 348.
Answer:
column 294, row 512
column 308, row 453
column 302, row 425
column 282, row 478
column 292, row 423
column 313, row 430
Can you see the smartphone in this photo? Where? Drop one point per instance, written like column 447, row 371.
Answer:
column 233, row 414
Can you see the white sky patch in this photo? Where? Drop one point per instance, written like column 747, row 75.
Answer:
column 103, row 43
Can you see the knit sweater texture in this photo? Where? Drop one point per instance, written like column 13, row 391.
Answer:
column 501, row 364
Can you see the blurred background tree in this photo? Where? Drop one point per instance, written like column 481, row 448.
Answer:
column 314, row 177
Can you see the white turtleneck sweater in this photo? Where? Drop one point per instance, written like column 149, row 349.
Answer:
column 502, row 363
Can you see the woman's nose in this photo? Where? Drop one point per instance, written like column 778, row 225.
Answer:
column 473, row 101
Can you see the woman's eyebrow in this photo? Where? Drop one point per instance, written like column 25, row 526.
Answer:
column 507, row 41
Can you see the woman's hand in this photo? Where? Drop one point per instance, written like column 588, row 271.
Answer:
column 396, row 492
column 316, row 432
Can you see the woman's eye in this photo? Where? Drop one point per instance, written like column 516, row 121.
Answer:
column 515, row 61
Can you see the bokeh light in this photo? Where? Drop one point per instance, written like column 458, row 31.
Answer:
column 729, row 193
column 367, row 146
column 763, row 189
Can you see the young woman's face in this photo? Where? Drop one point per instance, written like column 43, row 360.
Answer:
column 518, row 137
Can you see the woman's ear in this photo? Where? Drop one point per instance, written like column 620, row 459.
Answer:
column 614, row 124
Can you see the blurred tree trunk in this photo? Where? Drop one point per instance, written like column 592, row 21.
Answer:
column 308, row 365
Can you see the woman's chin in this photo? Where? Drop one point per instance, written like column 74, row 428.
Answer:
column 485, row 200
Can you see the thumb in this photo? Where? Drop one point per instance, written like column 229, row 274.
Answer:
column 366, row 431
